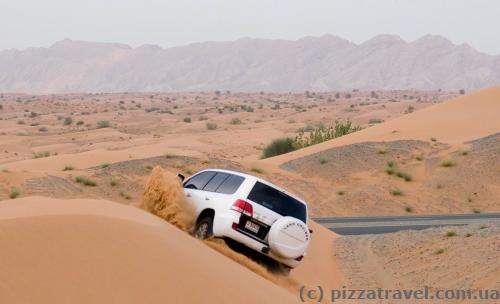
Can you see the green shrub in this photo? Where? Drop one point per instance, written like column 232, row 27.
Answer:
column 396, row 192
column 321, row 133
column 14, row 193
column 85, row 181
column 105, row 165
column 475, row 210
column 125, row 195
column 407, row 177
column 279, row 146
column 447, row 163
column 439, row 251
column 68, row 168
column 68, row 121
column 41, row 154
column 450, row 233
column 187, row 119
column 375, row 121
column 235, row 121
column 322, row 161
column 409, row 209
column 211, row 126
column 103, row 124
column 257, row 170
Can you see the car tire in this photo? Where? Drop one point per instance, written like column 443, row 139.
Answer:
column 204, row 228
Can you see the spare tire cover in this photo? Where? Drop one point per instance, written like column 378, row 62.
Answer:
column 289, row 237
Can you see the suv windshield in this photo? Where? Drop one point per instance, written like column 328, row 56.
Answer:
column 277, row 201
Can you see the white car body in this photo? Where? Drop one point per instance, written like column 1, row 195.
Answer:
column 226, row 220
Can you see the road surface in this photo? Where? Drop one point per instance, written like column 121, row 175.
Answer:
column 387, row 224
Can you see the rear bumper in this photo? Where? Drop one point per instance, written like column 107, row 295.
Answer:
column 223, row 228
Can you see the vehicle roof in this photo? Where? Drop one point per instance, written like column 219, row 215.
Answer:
column 245, row 175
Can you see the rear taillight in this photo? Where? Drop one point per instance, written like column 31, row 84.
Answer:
column 243, row 207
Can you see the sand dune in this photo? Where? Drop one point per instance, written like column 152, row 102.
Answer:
column 454, row 121
column 96, row 251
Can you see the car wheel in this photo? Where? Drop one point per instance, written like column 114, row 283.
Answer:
column 203, row 229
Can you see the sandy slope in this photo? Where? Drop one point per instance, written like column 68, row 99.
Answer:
column 96, row 251
column 455, row 121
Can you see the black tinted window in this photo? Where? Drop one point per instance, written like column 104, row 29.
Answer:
column 230, row 185
column 215, row 182
column 199, row 181
column 277, row 201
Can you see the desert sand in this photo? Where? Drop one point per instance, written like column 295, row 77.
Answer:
column 97, row 251
column 71, row 239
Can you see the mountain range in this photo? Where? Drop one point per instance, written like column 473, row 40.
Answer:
column 311, row 63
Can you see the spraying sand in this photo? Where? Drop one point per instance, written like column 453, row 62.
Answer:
column 163, row 197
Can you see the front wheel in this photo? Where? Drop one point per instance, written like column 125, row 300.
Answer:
column 203, row 229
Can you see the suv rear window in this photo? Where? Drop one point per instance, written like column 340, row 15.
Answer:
column 215, row 182
column 230, row 185
column 199, row 181
column 277, row 201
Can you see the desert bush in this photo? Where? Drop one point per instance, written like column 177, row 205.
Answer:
column 41, row 154
column 323, row 161
column 409, row 209
column 406, row 176
column 439, row 251
column 68, row 121
column 450, row 233
column 14, row 193
column 321, row 134
column 410, row 109
column 447, row 163
column 105, row 165
column 203, row 117
column 113, row 182
column 103, row 124
column 43, row 129
column 187, row 119
column 279, row 146
column 79, row 123
column 125, row 195
column 211, row 125
column 85, row 181
column 340, row 192
column 475, row 210
column 235, row 121
column 68, row 168
column 396, row 192
column 375, row 121
column 257, row 170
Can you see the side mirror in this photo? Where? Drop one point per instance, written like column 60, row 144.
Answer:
column 181, row 177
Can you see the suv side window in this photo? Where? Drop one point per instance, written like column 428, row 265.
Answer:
column 199, row 181
column 215, row 182
column 230, row 185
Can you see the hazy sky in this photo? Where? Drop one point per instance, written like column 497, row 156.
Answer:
column 25, row 23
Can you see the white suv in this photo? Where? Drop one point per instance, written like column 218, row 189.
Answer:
column 250, row 211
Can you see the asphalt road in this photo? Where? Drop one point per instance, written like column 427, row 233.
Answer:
column 388, row 224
